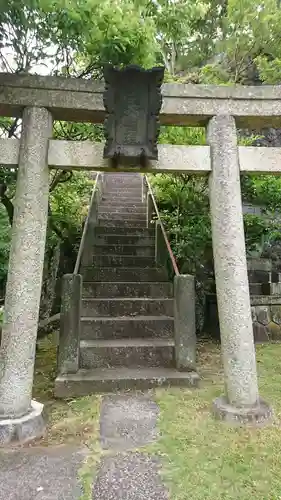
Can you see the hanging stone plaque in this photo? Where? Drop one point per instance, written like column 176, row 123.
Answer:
column 132, row 101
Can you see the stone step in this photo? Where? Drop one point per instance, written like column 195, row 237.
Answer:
column 120, row 175
column 112, row 203
column 123, row 274
column 127, row 327
column 122, row 199
column 130, row 216
column 134, row 192
column 127, row 180
column 132, row 353
column 126, row 223
column 93, row 289
column 122, row 184
column 125, row 239
column 125, row 231
column 101, row 380
column 127, row 306
column 122, row 209
column 123, row 177
column 123, row 261
column 122, row 250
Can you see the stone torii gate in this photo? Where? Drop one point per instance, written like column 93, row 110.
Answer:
column 39, row 101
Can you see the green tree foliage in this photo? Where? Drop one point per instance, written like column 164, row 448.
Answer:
column 4, row 247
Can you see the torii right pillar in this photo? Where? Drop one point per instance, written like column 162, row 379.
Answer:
column 241, row 403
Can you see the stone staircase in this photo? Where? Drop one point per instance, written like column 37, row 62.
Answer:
column 127, row 324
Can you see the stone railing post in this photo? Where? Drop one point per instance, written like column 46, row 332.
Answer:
column 241, row 402
column 184, row 321
column 149, row 210
column 144, row 189
column 68, row 351
column 161, row 253
column 20, row 417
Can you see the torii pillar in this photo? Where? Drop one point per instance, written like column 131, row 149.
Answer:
column 241, row 402
column 20, row 417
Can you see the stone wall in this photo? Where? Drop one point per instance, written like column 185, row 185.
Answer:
column 266, row 316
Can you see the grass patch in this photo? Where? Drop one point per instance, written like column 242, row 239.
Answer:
column 72, row 421
column 204, row 459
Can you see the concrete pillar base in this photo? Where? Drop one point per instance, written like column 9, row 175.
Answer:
column 23, row 429
column 257, row 415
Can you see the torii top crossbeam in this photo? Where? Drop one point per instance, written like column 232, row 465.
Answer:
column 183, row 104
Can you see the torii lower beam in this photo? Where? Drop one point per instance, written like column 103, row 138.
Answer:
column 86, row 155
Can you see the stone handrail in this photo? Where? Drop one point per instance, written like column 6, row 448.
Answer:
column 95, row 192
column 160, row 230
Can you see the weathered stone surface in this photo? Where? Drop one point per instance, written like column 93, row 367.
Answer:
column 41, row 473
column 68, row 352
column 263, row 314
column 70, row 155
column 23, row 429
column 132, row 250
column 124, row 275
column 127, row 307
column 267, row 300
column 134, row 216
column 187, row 105
column 132, row 123
column 128, row 421
column 104, row 290
column 132, row 353
column 257, row 414
column 125, row 231
column 232, row 285
column 121, row 379
column 260, row 332
column 138, row 210
column 128, row 327
column 23, row 290
column 185, row 328
column 274, row 331
column 126, row 223
column 276, row 314
column 124, row 261
column 133, row 476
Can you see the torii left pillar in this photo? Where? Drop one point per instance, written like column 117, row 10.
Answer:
column 21, row 418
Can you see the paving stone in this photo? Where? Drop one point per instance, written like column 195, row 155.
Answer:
column 133, row 476
column 41, row 473
column 128, row 421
